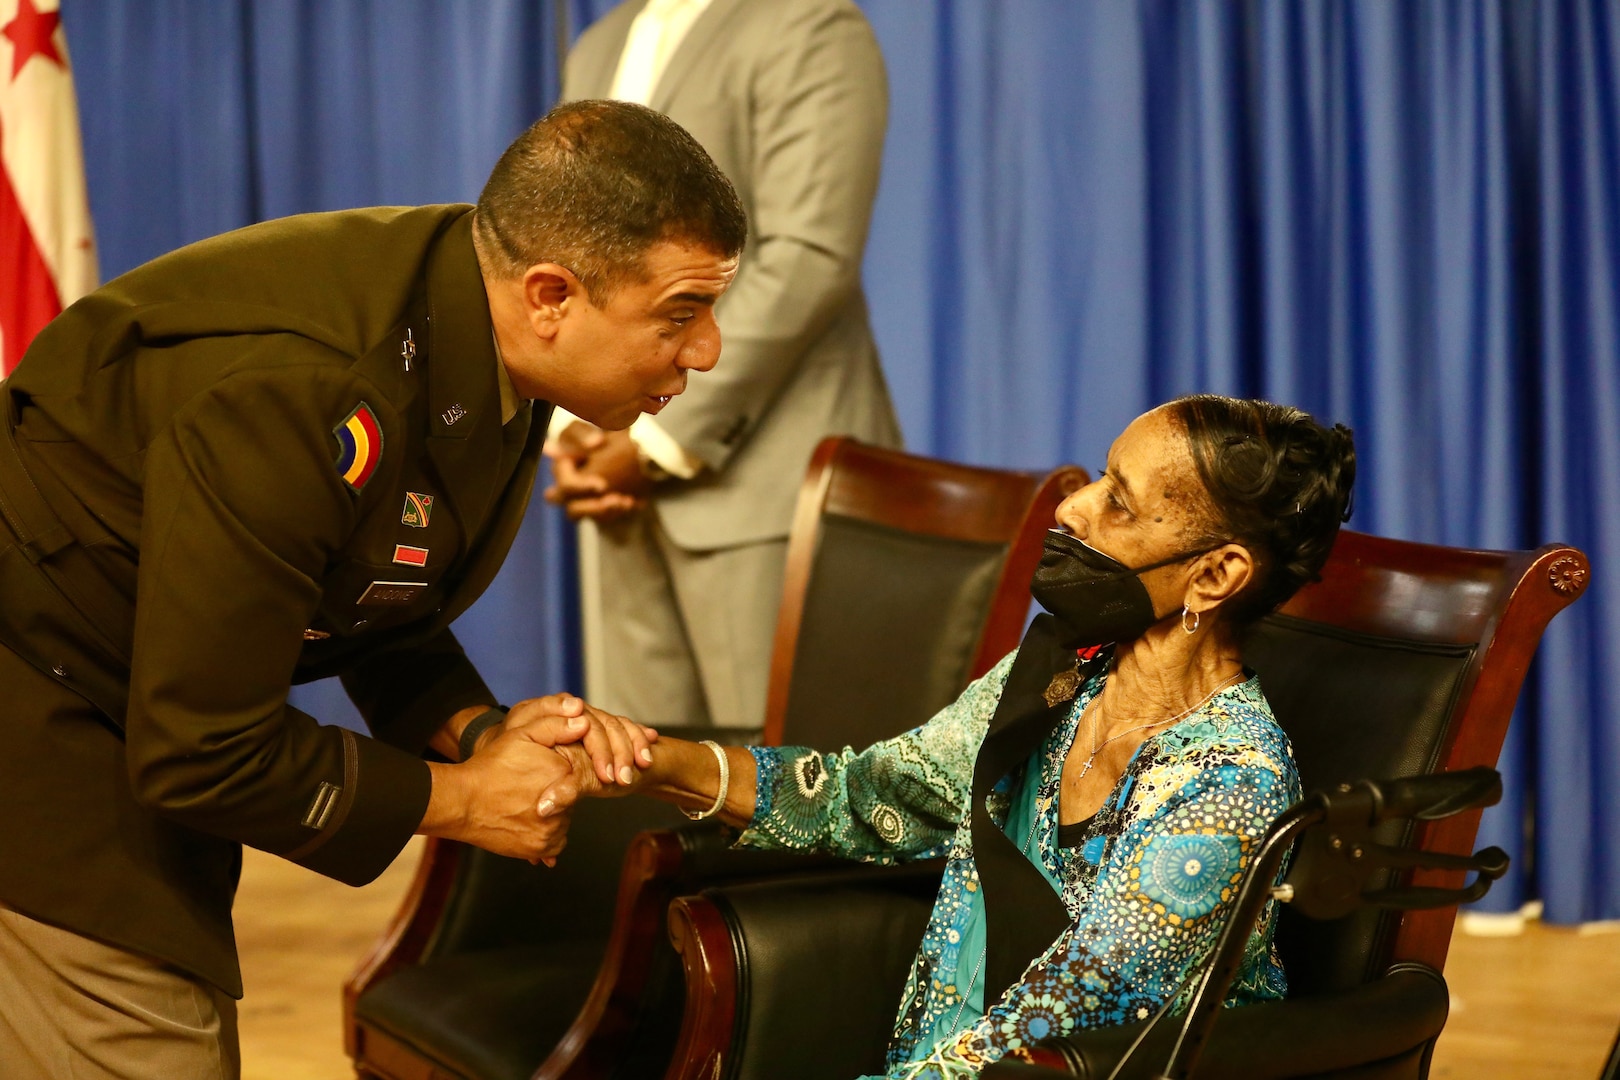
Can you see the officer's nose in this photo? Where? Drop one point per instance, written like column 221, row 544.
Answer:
column 702, row 348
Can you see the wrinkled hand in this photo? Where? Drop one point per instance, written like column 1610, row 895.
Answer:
column 616, row 748
column 581, row 781
column 595, row 473
column 586, row 777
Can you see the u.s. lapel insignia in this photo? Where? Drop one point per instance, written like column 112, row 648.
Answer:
column 407, row 348
column 418, row 509
column 453, row 413
column 1064, row 685
column 360, row 443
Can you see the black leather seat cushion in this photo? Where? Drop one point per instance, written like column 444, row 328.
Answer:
column 490, row 1015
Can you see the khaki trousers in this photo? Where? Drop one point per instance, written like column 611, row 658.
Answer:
column 75, row 1009
column 684, row 637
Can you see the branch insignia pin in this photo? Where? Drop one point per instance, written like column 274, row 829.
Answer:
column 1064, row 685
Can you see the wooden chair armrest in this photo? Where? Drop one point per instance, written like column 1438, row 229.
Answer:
column 637, row 988
column 851, row 934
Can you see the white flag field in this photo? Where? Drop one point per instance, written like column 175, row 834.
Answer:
column 47, row 248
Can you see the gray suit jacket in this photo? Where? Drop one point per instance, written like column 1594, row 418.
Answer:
column 789, row 98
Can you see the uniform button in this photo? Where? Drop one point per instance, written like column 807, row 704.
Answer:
column 59, row 671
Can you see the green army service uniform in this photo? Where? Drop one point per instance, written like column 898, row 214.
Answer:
column 269, row 457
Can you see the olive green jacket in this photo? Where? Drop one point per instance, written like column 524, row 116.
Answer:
column 239, row 453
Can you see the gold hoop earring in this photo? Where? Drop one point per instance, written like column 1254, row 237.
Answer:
column 1197, row 618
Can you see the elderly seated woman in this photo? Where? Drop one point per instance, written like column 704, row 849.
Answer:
column 1100, row 791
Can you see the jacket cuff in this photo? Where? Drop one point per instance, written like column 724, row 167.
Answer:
column 662, row 450
column 365, row 824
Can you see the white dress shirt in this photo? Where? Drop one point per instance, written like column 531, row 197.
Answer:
column 656, row 33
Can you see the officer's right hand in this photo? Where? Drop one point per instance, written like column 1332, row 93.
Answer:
column 491, row 800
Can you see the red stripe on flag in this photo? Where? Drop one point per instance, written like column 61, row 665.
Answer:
column 28, row 297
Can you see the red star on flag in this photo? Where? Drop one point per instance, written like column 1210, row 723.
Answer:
column 47, row 251
column 31, row 35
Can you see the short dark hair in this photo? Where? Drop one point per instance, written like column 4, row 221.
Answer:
column 1279, row 483
column 592, row 185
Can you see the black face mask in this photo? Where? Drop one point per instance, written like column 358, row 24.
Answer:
column 1096, row 599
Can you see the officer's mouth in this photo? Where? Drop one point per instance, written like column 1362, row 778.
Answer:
column 654, row 402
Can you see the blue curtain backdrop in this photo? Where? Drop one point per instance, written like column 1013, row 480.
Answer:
column 1404, row 217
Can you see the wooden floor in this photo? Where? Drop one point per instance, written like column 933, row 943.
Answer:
column 1538, row 1006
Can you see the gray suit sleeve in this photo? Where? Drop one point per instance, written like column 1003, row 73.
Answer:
column 819, row 109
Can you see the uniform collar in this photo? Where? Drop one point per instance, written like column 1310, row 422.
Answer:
column 464, row 396
column 503, row 379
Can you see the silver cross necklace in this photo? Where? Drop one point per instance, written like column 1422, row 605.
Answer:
column 1094, row 708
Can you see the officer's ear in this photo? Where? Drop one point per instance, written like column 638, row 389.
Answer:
column 550, row 292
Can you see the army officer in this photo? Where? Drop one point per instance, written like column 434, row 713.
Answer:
column 294, row 451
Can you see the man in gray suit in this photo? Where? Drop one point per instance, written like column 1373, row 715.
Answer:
column 693, row 508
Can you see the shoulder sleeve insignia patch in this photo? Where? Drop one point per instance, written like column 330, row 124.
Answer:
column 360, row 444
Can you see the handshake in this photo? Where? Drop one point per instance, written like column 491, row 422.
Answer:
column 514, row 795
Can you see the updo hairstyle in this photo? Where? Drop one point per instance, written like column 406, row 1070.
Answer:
column 1279, row 484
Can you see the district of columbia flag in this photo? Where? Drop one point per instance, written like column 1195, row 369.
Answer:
column 47, row 251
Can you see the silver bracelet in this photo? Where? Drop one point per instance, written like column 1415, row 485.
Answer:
column 725, row 782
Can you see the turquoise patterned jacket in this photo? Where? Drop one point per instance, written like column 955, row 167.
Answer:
column 1147, row 887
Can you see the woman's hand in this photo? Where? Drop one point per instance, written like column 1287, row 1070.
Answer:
column 683, row 773
column 513, row 794
column 617, row 748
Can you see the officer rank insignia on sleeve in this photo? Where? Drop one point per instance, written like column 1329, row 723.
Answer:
column 418, row 509
column 360, row 444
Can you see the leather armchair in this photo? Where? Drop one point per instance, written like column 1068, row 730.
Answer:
column 1404, row 659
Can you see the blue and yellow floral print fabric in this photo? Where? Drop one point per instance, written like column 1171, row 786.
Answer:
column 1146, row 887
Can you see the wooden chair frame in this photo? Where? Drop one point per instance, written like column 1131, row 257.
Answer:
column 1519, row 592
column 916, row 494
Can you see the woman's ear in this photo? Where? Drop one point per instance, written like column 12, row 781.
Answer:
column 1221, row 575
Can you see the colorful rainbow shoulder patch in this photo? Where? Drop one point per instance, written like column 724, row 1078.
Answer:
column 360, row 445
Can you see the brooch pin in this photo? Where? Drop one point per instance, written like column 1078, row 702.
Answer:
column 1063, row 687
